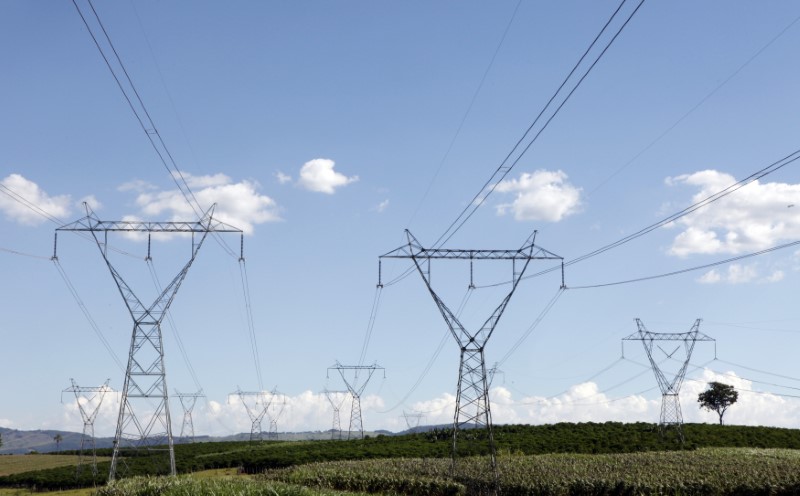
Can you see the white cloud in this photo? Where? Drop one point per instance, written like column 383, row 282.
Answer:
column 753, row 218
column 380, row 207
column 19, row 194
column 283, row 178
column 209, row 181
column 542, row 195
column 740, row 274
column 136, row 185
column 238, row 204
column 318, row 175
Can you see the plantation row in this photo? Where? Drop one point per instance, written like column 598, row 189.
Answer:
column 707, row 471
column 586, row 438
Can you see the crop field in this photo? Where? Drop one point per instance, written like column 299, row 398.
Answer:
column 707, row 471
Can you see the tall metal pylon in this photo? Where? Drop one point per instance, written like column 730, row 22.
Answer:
column 413, row 420
column 472, row 398
column 89, row 400
column 144, row 417
column 188, row 402
column 336, row 399
column 277, row 405
column 356, row 388
column 256, row 409
column 669, row 383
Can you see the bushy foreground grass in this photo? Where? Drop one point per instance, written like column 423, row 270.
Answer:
column 187, row 486
column 708, row 471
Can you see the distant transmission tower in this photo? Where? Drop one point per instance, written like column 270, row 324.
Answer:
column 336, row 399
column 356, row 388
column 472, row 397
column 89, row 400
column 274, row 412
column 670, row 384
column 256, row 404
column 413, row 420
column 188, row 401
column 144, row 418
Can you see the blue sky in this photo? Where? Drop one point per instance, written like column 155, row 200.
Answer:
column 324, row 129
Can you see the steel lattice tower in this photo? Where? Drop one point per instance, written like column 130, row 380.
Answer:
column 472, row 397
column 144, row 417
column 188, row 401
column 336, row 399
column 413, row 420
column 274, row 412
column 89, row 409
column 671, row 417
column 356, row 389
column 255, row 410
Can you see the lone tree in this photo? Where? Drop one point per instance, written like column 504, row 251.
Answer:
column 718, row 397
column 58, row 438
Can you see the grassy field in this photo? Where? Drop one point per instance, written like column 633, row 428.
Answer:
column 17, row 464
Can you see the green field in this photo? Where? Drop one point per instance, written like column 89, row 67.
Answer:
column 587, row 458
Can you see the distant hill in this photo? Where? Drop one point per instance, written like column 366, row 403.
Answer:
column 16, row 442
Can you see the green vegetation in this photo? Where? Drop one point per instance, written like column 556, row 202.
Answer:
column 707, row 471
column 18, row 464
column 187, row 486
column 256, row 458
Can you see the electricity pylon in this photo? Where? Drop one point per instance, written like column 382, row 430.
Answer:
column 188, row 401
column 89, row 400
column 144, row 418
column 472, row 397
column 336, row 399
column 668, row 383
column 274, row 411
column 256, row 409
column 413, row 420
column 356, row 388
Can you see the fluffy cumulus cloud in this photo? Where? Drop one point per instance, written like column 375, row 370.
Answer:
column 319, row 175
column 283, row 178
column 238, row 203
column 542, row 195
column 755, row 217
column 23, row 201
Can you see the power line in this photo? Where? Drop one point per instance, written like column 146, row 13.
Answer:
column 690, row 269
column 504, row 168
column 142, row 114
column 467, row 112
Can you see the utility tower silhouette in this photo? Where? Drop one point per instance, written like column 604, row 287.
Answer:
column 356, row 388
column 413, row 420
column 274, row 412
column 670, row 383
column 89, row 400
column 144, row 418
column 256, row 404
column 336, row 399
column 188, row 401
column 472, row 397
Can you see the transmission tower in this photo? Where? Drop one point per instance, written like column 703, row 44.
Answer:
column 256, row 404
column 413, row 420
column 493, row 372
column 274, row 411
column 144, row 418
column 89, row 400
column 356, row 388
column 472, row 397
column 669, row 383
column 336, row 399
column 188, row 401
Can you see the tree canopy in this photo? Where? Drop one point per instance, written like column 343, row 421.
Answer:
column 718, row 397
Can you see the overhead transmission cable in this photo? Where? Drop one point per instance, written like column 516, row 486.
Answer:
column 695, row 107
column 763, row 172
column 508, row 162
column 467, row 112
